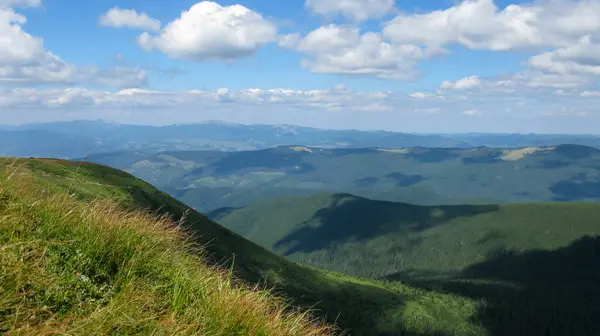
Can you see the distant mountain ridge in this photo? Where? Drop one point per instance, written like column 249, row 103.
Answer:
column 104, row 136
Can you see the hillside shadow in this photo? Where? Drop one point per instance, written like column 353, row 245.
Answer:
column 403, row 180
column 217, row 214
column 432, row 155
column 366, row 182
column 275, row 158
column 533, row 293
column 549, row 164
column 576, row 152
column 490, row 157
column 354, row 218
column 339, row 152
column 359, row 309
column 578, row 187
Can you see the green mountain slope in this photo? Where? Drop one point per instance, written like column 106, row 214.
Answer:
column 360, row 307
column 537, row 266
column 93, row 268
column 207, row 180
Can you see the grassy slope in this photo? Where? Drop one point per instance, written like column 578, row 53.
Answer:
column 92, row 268
column 361, row 307
column 537, row 265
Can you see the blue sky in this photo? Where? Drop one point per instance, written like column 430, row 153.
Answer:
column 416, row 66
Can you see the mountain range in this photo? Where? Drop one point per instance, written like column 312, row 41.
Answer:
column 74, row 139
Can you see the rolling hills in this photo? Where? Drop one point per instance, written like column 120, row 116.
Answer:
column 535, row 265
column 101, row 262
column 207, row 180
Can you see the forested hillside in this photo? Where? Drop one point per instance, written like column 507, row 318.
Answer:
column 535, row 265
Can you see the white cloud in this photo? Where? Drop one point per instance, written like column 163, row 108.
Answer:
column 421, row 95
column 589, row 94
column 24, row 60
column 20, row 3
column 17, row 46
column 581, row 58
column 211, row 31
column 118, row 18
column 480, row 24
column 530, row 82
column 358, row 10
column 462, row 84
column 566, row 33
column 67, row 74
column 477, row 24
column 343, row 50
column 539, row 79
column 72, row 97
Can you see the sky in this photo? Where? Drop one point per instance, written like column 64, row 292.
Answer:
column 423, row 66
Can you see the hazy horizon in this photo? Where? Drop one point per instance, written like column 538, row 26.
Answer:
column 220, row 122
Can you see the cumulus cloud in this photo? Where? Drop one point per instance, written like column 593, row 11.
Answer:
column 477, row 24
column 211, row 31
column 24, row 60
column 565, row 33
column 358, row 10
column 23, row 57
column 17, row 46
column 119, row 18
column 581, row 58
column 480, row 24
column 334, row 49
